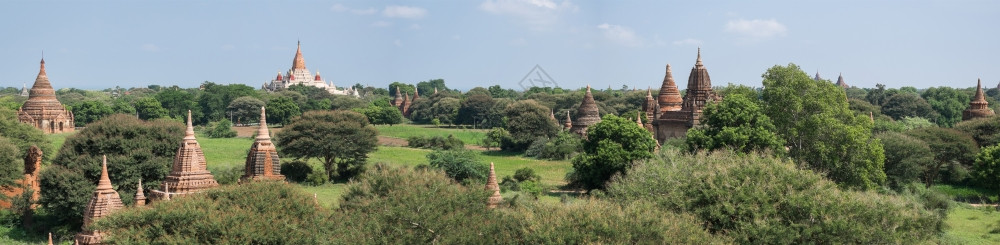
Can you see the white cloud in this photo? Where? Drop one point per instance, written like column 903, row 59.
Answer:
column 340, row 8
column 397, row 43
column 688, row 41
column 397, row 11
column 620, row 34
column 150, row 47
column 381, row 23
column 756, row 29
column 538, row 14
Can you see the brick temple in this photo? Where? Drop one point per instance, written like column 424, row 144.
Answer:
column 43, row 110
column 674, row 119
column 262, row 161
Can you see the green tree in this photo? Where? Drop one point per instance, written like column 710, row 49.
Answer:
column 281, row 110
column 178, row 102
column 66, row 193
column 382, row 114
column 221, row 129
column 527, row 120
column 952, row 149
column 987, row 167
column 346, row 102
column 986, row 131
column 23, row 135
column 214, row 99
column 497, row 92
column 10, row 163
column 122, row 106
column 495, row 137
column 149, row 108
column 908, row 105
column 820, row 131
column 245, row 110
column 403, row 88
column 906, row 158
column 474, row 109
column 461, row 165
column 427, row 87
column 612, row 147
column 948, row 103
column 736, row 123
column 90, row 111
column 340, row 139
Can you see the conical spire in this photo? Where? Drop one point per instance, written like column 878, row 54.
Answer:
column 140, row 197
column 588, row 114
column 670, row 97
column 979, row 92
column 298, row 62
column 638, row 119
column 569, row 121
column 105, row 182
column 189, row 132
column 698, row 62
column 50, row 238
column 262, row 133
column 840, row 81
column 978, row 108
column 491, row 185
column 649, row 93
column 817, row 78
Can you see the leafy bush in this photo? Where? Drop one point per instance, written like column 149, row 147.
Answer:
column 253, row 213
column 495, row 137
column 564, row 146
column 765, row 200
column 435, row 142
column 460, row 165
column 612, row 146
column 228, row 175
column 296, row 170
column 221, row 129
column 316, row 179
column 526, row 174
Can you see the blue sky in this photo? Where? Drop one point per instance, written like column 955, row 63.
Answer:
column 100, row 44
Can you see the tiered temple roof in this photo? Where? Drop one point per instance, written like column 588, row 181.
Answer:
column 978, row 108
column 817, row 78
column 650, row 107
column 189, row 173
column 587, row 115
column 841, row 83
column 492, row 185
column 568, row 123
column 104, row 201
column 298, row 74
column 43, row 110
column 699, row 92
column 670, row 97
column 262, row 161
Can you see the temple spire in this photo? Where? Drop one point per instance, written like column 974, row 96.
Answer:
column 189, row 132
column 638, row 119
column 491, row 185
column 41, row 69
column 262, row 133
column 298, row 62
column 698, row 62
column 140, row 197
column 105, row 182
column 979, row 91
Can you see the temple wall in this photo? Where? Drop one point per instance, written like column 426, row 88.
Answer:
column 667, row 130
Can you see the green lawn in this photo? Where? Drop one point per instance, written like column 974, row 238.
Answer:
column 403, row 131
column 973, row 225
column 224, row 153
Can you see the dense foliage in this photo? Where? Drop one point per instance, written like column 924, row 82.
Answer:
column 765, row 200
column 460, row 165
column 736, row 123
column 341, row 139
column 612, row 147
column 953, row 152
column 23, row 135
column 435, row 142
column 906, row 158
column 527, row 120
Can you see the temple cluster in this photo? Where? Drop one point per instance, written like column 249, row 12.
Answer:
column 299, row 75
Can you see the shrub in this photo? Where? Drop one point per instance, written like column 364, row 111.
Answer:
column 459, row 164
column 536, row 147
column 526, row 174
column 766, row 200
column 296, row 170
column 564, row 146
column 435, row 142
column 316, row 179
column 228, row 175
column 221, row 129
column 495, row 137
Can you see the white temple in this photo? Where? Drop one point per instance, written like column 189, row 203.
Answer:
column 300, row 75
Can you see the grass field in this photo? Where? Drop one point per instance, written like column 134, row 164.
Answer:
column 403, row 131
column 973, row 225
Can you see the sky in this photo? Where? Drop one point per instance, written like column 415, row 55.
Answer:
column 102, row 44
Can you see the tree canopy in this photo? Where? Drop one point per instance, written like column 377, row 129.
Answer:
column 612, row 147
column 341, row 139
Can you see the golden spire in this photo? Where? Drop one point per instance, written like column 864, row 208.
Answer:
column 298, row 62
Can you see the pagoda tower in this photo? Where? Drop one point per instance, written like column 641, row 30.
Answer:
column 670, row 97
column 492, row 186
column 568, row 123
column 817, row 77
column 300, row 75
column 650, row 106
column 140, row 197
column 104, row 201
column 587, row 115
column 674, row 124
column 398, row 100
column 189, row 173
column 978, row 108
column 262, row 161
column 43, row 110
column 841, row 83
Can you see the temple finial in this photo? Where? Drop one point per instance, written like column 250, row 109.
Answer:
column 105, row 181
column 189, row 133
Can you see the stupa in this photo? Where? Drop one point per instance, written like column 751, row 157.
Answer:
column 43, row 110
column 650, row 106
column 841, row 83
column 262, row 161
column 587, row 115
column 674, row 124
column 189, row 173
column 670, row 97
column 978, row 108
column 140, row 197
column 104, row 201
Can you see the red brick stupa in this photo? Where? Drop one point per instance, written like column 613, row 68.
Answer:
column 675, row 123
column 978, row 108
column 491, row 185
column 104, row 201
column 189, row 173
column 262, row 161
column 42, row 110
column 587, row 115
